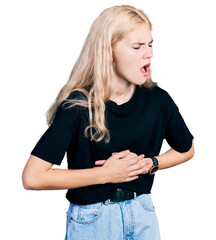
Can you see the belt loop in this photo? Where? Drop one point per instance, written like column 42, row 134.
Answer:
column 135, row 195
column 107, row 202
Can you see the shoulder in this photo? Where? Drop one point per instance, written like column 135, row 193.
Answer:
column 159, row 97
column 71, row 106
column 74, row 97
column 77, row 95
column 157, row 93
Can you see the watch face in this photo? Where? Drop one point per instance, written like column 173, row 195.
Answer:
column 154, row 169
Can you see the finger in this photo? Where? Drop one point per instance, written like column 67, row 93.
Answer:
column 135, row 160
column 100, row 162
column 139, row 166
column 122, row 154
column 142, row 170
column 114, row 153
column 145, row 161
column 148, row 168
column 131, row 155
column 136, row 172
column 129, row 179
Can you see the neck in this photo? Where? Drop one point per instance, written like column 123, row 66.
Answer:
column 122, row 91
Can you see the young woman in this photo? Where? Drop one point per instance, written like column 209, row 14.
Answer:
column 111, row 119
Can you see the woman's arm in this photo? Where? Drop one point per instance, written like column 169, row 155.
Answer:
column 170, row 158
column 166, row 160
column 39, row 174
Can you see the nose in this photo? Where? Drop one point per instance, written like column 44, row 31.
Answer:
column 148, row 52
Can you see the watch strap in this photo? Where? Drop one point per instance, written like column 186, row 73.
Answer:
column 155, row 161
column 155, row 166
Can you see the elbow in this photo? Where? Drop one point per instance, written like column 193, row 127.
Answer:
column 191, row 152
column 34, row 174
column 29, row 182
column 27, row 186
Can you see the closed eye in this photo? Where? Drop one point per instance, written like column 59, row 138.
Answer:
column 140, row 44
column 136, row 48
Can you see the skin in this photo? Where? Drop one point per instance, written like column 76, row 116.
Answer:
column 130, row 54
column 123, row 166
column 129, row 57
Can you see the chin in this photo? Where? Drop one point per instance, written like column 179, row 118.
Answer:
column 141, row 82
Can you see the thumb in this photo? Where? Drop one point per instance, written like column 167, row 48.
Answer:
column 100, row 162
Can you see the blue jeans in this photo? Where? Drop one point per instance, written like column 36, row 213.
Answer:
column 128, row 220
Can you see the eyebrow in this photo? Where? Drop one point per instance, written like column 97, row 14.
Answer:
column 141, row 43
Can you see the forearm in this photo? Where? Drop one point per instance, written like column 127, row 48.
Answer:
column 57, row 179
column 172, row 158
column 66, row 179
column 38, row 174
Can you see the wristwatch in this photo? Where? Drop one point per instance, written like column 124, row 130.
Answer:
column 155, row 166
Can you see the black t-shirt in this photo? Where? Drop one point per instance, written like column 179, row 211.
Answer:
column 139, row 125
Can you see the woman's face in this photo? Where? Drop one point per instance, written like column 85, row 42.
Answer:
column 132, row 53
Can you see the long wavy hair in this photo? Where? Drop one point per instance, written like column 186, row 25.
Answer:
column 93, row 71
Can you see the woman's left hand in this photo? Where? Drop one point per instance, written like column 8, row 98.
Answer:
column 146, row 169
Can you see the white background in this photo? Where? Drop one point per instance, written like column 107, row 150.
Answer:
column 40, row 41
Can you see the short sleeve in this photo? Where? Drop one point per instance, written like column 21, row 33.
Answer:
column 54, row 143
column 177, row 133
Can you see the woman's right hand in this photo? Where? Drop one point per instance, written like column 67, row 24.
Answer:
column 123, row 167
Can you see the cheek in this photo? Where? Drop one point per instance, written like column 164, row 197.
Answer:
column 127, row 62
column 129, row 72
column 125, row 68
column 128, row 65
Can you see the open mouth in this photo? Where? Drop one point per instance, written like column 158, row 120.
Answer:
column 145, row 69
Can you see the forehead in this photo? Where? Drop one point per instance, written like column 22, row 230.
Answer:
column 140, row 33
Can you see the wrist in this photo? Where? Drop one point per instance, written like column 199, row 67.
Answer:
column 102, row 175
column 155, row 165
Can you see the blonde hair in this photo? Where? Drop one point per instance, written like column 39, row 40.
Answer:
column 93, row 71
